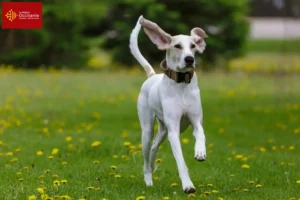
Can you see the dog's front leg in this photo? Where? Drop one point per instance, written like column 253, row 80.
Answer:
column 173, row 125
column 198, row 132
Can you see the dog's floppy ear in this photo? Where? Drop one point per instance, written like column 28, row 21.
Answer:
column 198, row 34
column 160, row 38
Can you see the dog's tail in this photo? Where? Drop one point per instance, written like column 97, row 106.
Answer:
column 133, row 45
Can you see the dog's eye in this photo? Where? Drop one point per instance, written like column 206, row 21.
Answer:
column 193, row 46
column 178, row 46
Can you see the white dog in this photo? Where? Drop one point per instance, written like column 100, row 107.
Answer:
column 173, row 97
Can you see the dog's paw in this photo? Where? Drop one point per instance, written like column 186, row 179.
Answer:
column 200, row 154
column 189, row 189
column 148, row 179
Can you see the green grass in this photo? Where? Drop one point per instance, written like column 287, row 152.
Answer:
column 243, row 115
column 274, row 46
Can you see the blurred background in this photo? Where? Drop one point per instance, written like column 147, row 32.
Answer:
column 248, row 35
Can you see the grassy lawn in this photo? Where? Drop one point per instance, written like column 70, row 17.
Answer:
column 274, row 46
column 83, row 128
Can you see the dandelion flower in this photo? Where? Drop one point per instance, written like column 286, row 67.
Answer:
column 245, row 190
column 209, row 185
column 54, row 151
column 185, row 140
column 140, row 198
column 20, row 180
column 19, row 173
column 18, row 149
column 214, row 191
column 64, row 163
column 132, row 176
column 90, row 188
column 292, row 198
column 220, row 198
column 97, row 189
column 41, row 190
column 166, row 198
column 251, row 182
column 64, row 181
column 262, row 149
column 206, row 193
column 113, row 167
column 232, row 175
column 117, row 176
column 191, row 195
column 291, row 147
column 174, row 184
column 245, row 166
column 39, row 153
column 158, row 160
column 50, row 157
column 65, row 197
column 156, row 178
column 56, row 183
column 9, row 154
column 298, row 181
column 127, row 144
column 14, row 160
column 201, row 185
column 55, row 176
column 115, row 156
column 68, row 138
column 96, row 162
column 95, row 143
column 258, row 186
column 32, row 197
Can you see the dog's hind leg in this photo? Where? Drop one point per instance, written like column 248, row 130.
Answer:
column 160, row 137
column 146, row 117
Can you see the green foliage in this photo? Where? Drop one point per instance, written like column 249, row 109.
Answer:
column 224, row 21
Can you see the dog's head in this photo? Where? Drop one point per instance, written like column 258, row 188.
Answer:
column 180, row 48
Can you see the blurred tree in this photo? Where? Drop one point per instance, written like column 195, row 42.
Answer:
column 224, row 21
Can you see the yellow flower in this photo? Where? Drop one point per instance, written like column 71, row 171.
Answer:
column 191, row 195
column 65, row 197
column 18, row 149
column 291, row 147
column 32, row 197
column 158, row 160
column 95, row 143
column 209, row 185
column 245, row 190
column 19, row 173
column 127, row 144
column 156, row 178
column 239, row 156
column 298, row 181
column 41, row 190
column 97, row 189
column 220, row 198
column 206, row 193
column 45, row 197
column 245, row 166
column 115, row 156
column 292, row 198
column 166, row 198
column 117, row 176
column 54, row 151
column 50, row 157
column 185, row 140
column 39, row 153
column 174, row 184
column 68, row 138
column 96, row 162
column 214, row 191
column 14, row 160
column 55, row 176
column 262, row 149
column 64, row 163
column 140, row 198
column 274, row 148
column 113, row 167
column 232, row 175
column 251, row 182
column 64, row 181
column 258, row 186
column 132, row 176
column 20, row 180
column 90, row 188
column 9, row 154
column 56, row 183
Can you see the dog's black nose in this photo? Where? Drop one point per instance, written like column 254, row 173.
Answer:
column 189, row 60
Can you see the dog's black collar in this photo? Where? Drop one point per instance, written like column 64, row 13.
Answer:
column 178, row 77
